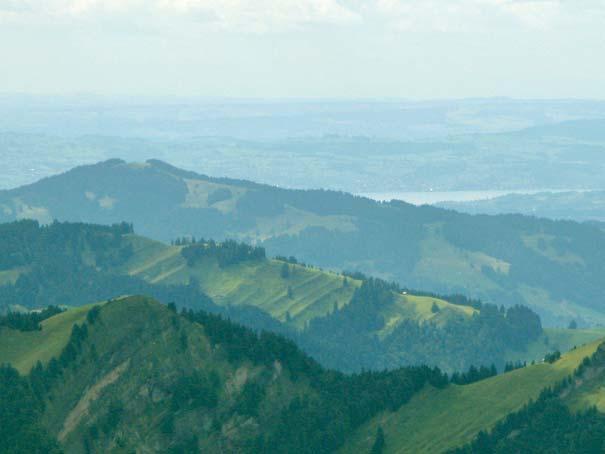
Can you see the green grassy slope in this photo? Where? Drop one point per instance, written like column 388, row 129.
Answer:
column 259, row 283
column 438, row 420
column 24, row 349
column 440, row 260
column 296, row 297
column 419, row 309
column 314, row 292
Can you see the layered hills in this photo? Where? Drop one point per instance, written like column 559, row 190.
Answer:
column 554, row 267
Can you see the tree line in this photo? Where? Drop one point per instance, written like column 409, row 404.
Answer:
column 28, row 321
column 228, row 252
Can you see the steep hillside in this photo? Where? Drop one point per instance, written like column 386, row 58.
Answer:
column 555, row 267
column 135, row 374
column 439, row 420
column 566, row 417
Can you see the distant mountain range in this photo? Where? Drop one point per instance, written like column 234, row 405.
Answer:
column 470, row 157
column 557, row 268
column 271, row 119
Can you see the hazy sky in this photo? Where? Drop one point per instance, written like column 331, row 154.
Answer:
column 305, row 48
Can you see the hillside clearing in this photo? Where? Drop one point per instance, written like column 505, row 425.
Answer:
column 24, row 349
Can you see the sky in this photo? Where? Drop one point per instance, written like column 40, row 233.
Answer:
column 413, row 49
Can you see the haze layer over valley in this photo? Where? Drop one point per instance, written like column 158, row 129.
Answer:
column 489, row 147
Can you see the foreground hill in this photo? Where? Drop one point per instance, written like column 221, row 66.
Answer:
column 135, row 375
column 555, row 267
